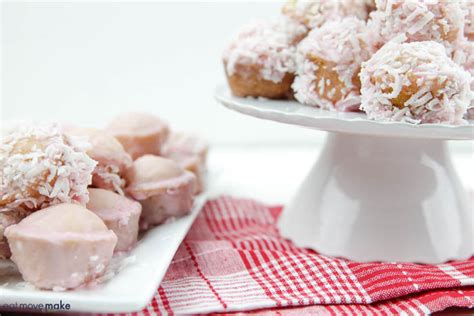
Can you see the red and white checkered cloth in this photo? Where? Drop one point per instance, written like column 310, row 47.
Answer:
column 234, row 259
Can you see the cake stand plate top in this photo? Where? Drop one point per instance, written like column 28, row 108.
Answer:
column 292, row 112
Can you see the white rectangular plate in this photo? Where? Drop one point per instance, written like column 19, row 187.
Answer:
column 131, row 289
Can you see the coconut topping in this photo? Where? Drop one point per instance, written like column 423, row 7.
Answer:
column 294, row 30
column 464, row 56
column 414, row 82
column 419, row 20
column 41, row 166
column 468, row 7
column 329, row 60
column 112, row 159
column 314, row 13
column 265, row 46
column 109, row 177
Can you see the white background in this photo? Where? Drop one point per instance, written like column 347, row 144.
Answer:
column 87, row 61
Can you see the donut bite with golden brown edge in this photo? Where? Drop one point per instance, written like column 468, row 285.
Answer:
column 328, row 65
column 259, row 62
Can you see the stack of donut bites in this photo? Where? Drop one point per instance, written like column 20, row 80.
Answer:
column 72, row 197
column 394, row 60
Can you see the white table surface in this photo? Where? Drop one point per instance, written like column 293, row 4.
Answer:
column 272, row 173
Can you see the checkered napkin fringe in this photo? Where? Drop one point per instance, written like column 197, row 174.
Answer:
column 234, row 259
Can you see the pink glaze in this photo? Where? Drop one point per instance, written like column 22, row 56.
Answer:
column 190, row 153
column 163, row 188
column 61, row 247
column 120, row 214
column 139, row 133
column 7, row 219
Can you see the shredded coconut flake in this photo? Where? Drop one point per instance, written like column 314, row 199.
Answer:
column 40, row 166
column 443, row 90
column 343, row 43
column 263, row 45
column 420, row 20
column 108, row 177
column 314, row 13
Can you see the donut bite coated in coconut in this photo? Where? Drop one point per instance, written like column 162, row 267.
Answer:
column 259, row 62
column 415, row 82
column 464, row 55
column 163, row 188
column 112, row 159
column 468, row 6
column 328, row 65
column 419, row 20
column 120, row 214
column 41, row 166
column 314, row 13
column 61, row 247
column 139, row 133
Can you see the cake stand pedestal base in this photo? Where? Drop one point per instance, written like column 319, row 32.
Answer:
column 370, row 198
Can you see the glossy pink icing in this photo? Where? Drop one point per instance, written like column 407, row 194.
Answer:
column 139, row 133
column 119, row 213
column 61, row 247
column 190, row 153
column 163, row 188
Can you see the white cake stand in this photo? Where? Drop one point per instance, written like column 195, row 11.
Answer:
column 380, row 191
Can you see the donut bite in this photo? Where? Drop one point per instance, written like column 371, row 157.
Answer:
column 61, row 247
column 41, row 166
column 314, row 13
column 163, row 189
column 441, row 21
column 139, row 133
column 120, row 214
column 259, row 62
column 112, row 159
column 328, row 65
column 415, row 82
column 190, row 153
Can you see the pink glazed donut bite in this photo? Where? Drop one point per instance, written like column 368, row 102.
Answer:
column 119, row 213
column 61, row 247
column 139, row 133
column 163, row 188
column 190, row 153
